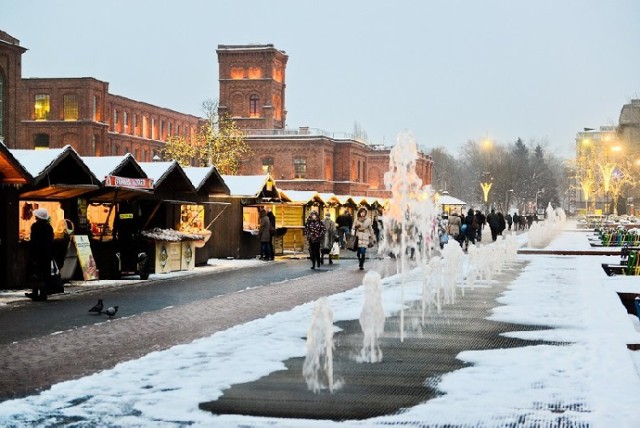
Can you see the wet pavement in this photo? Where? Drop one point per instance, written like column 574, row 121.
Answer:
column 369, row 390
column 33, row 364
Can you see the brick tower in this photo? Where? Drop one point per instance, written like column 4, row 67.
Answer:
column 252, row 85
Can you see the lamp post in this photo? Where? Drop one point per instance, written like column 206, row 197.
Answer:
column 506, row 200
column 538, row 193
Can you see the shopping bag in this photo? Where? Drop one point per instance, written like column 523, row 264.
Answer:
column 352, row 243
column 335, row 249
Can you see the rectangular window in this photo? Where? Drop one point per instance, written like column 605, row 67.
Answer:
column 299, row 168
column 153, row 128
column 145, row 126
column 95, row 109
column 115, row 120
column 70, row 107
column 161, row 135
column 125, row 122
column 169, row 129
column 267, row 165
column 42, row 107
column 136, row 131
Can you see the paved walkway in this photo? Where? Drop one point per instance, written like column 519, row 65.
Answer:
column 35, row 364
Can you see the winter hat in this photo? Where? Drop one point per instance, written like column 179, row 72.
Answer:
column 41, row 213
column 327, row 214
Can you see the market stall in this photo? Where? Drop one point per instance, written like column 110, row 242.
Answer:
column 60, row 180
column 114, row 217
column 294, row 214
column 162, row 214
column 201, row 217
column 238, row 227
column 448, row 203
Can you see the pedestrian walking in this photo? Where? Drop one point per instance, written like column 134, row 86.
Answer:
column 482, row 220
column 344, row 223
column 509, row 220
column 40, row 255
column 329, row 238
column 453, row 228
column 314, row 230
column 272, row 230
column 363, row 229
column 264, row 232
column 470, row 226
column 494, row 225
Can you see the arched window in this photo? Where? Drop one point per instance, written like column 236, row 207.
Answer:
column 253, row 106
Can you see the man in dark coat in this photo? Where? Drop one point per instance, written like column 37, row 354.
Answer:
column 494, row 224
column 40, row 255
column 272, row 221
column 344, row 223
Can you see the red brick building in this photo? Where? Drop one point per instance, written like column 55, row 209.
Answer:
column 252, row 91
column 54, row 112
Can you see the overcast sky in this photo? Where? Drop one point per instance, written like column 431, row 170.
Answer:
column 449, row 71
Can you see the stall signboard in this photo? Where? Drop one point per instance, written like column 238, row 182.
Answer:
column 136, row 183
column 87, row 262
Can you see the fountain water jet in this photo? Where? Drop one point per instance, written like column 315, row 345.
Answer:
column 317, row 368
column 372, row 318
column 409, row 221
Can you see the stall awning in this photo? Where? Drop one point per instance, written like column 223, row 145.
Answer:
column 59, row 191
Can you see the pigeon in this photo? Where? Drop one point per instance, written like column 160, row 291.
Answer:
column 111, row 311
column 98, row 307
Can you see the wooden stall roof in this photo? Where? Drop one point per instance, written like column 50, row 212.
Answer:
column 301, row 197
column 123, row 166
column 169, row 178
column 330, row 198
column 11, row 171
column 346, row 200
column 260, row 187
column 207, row 180
column 446, row 199
column 57, row 174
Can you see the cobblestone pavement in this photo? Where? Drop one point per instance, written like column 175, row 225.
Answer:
column 32, row 365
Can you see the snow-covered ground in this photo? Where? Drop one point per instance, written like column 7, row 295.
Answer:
column 594, row 378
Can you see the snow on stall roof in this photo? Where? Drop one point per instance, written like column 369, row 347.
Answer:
column 157, row 170
column 36, row 161
column 303, row 196
column 198, row 174
column 102, row 166
column 245, row 185
column 450, row 200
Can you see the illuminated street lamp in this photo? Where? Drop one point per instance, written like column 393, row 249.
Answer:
column 486, row 182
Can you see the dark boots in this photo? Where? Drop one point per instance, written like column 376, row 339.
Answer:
column 361, row 260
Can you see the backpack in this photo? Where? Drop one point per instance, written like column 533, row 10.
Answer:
column 474, row 222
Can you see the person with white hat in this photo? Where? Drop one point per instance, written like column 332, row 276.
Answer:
column 40, row 255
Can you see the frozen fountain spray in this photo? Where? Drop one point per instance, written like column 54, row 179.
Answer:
column 372, row 318
column 410, row 220
column 318, row 365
